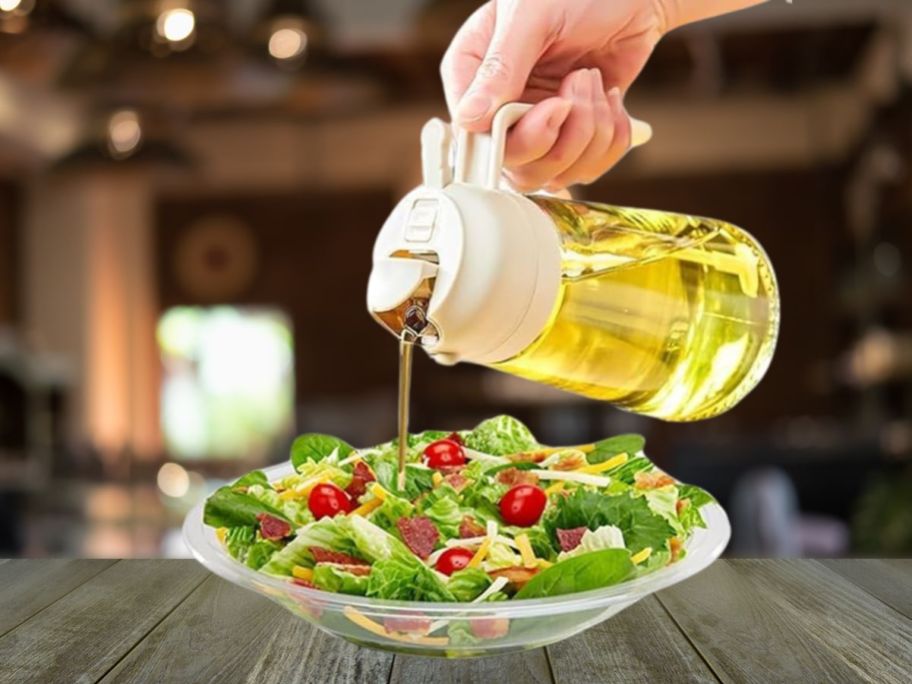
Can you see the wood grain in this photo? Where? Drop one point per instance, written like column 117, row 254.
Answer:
column 890, row 580
column 223, row 633
column 763, row 621
column 640, row 644
column 527, row 667
column 79, row 637
column 27, row 587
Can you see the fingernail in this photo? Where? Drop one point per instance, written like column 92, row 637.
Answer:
column 640, row 132
column 474, row 107
column 559, row 115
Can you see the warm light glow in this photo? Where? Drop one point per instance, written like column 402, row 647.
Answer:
column 287, row 42
column 175, row 25
column 9, row 5
column 124, row 133
column 173, row 480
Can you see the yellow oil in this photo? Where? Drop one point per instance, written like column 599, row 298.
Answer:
column 662, row 314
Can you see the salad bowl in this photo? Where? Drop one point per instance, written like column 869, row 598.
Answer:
column 437, row 629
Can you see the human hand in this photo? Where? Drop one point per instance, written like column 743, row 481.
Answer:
column 575, row 59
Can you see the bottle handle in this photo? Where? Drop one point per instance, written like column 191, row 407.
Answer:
column 479, row 156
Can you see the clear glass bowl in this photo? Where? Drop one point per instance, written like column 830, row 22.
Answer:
column 454, row 630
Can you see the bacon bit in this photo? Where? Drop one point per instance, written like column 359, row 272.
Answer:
column 454, row 436
column 408, row 624
column 675, row 546
column 303, row 583
column 419, row 534
column 682, row 505
column 652, row 480
column 490, row 628
column 516, row 575
column 469, row 528
column 457, row 481
column 529, row 457
column 322, row 555
column 273, row 528
column 570, row 539
column 515, row 476
column 361, row 475
column 571, row 462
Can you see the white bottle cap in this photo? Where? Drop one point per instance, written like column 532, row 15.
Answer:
column 493, row 255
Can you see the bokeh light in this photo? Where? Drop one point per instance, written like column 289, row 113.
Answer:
column 124, row 133
column 287, row 42
column 176, row 25
column 173, row 480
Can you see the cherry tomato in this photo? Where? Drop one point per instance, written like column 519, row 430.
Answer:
column 453, row 559
column 523, row 505
column 454, row 437
column 328, row 500
column 444, row 453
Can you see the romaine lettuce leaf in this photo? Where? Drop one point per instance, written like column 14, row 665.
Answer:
column 230, row 507
column 390, row 511
column 468, row 583
column 605, row 537
column 405, row 578
column 238, row 540
column 260, row 553
column 295, row 511
column 500, row 436
column 445, row 514
column 327, row 533
column 589, row 571
column 331, row 578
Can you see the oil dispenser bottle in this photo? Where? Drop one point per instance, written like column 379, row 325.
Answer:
column 663, row 314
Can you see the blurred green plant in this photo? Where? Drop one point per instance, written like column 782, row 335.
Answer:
column 882, row 520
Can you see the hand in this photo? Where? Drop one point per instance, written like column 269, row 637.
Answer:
column 575, row 59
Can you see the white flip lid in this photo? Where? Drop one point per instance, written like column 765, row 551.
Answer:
column 497, row 271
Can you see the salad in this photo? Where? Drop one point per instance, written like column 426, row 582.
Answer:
column 487, row 514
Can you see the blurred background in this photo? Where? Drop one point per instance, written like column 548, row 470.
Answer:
column 189, row 192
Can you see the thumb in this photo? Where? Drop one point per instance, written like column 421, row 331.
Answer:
column 517, row 42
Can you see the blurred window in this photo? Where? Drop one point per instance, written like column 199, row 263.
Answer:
column 228, row 382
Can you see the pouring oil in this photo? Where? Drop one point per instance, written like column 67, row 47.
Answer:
column 662, row 314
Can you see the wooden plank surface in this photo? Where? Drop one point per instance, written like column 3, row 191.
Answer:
column 526, row 667
column 764, row 621
column 28, row 586
column 81, row 636
column 223, row 633
column 640, row 644
column 890, row 580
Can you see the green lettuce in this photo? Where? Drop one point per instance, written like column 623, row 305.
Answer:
column 468, row 583
column 446, row 515
column 331, row 578
column 316, row 447
column 403, row 577
column 631, row 445
column 238, row 540
column 501, row 436
column 392, row 509
column 260, row 553
column 605, row 537
column 234, row 507
column 326, row 533
column 295, row 511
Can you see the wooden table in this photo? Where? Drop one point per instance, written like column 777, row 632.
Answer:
column 739, row 621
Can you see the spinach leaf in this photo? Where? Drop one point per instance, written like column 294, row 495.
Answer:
column 500, row 436
column 630, row 444
column 315, row 447
column 227, row 507
column 639, row 524
column 251, row 478
column 698, row 496
column 580, row 573
column 627, row 472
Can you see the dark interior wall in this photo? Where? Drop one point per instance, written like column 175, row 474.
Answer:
column 313, row 259
column 9, row 229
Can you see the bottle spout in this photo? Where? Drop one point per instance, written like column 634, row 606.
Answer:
column 394, row 280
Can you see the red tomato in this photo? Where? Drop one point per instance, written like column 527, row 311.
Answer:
column 454, row 437
column 523, row 505
column 444, row 453
column 453, row 559
column 327, row 499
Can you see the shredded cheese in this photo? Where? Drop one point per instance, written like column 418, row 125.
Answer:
column 365, row 622
column 480, row 554
column 366, row 508
column 554, row 489
column 436, row 478
column 573, row 476
column 479, row 456
column 302, row 573
column 639, row 557
column 544, row 564
column 495, row 586
column 475, row 541
column 611, row 463
column 525, row 550
column 221, row 533
column 378, row 491
column 354, row 457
